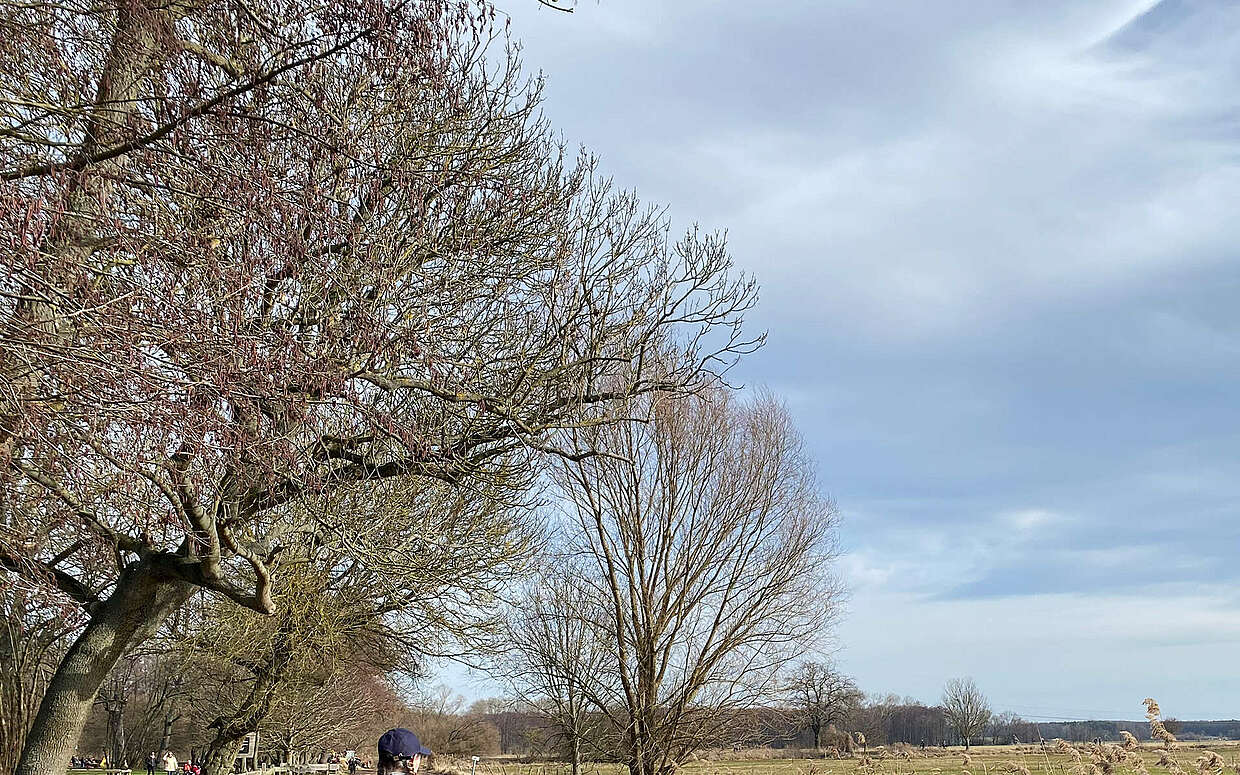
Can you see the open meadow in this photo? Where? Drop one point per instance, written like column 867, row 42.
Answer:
column 1080, row 759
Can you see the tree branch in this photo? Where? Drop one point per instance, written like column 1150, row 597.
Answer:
column 119, row 540
column 139, row 142
column 75, row 589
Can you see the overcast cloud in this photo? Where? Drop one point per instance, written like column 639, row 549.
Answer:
column 996, row 242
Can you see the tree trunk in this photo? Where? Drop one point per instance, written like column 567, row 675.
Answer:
column 117, row 754
column 219, row 759
column 573, row 727
column 221, row 752
column 165, row 740
column 138, row 605
column 637, row 762
column 646, row 762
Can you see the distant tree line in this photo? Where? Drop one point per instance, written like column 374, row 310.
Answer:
column 523, row 730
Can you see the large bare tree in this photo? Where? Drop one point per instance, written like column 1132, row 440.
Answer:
column 821, row 696
column 258, row 252
column 965, row 708
column 711, row 549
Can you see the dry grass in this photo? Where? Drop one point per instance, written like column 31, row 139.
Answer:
column 1129, row 757
column 1068, row 759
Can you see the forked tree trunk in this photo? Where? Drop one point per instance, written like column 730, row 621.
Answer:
column 647, row 762
column 219, row 756
column 140, row 602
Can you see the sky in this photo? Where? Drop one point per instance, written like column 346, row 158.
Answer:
column 996, row 244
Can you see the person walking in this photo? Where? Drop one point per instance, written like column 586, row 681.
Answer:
column 170, row 763
column 151, row 761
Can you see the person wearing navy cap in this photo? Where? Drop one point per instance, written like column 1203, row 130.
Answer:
column 400, row 751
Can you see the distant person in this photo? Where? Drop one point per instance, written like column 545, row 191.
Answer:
column 400, row 751
column 151, row 761
column 352, row 765
column 170, row 763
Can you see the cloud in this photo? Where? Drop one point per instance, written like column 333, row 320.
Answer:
column 1027, row 520
column 991, row 157
column 996, row 243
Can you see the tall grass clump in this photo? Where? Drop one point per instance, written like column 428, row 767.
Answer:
column 1157, row 731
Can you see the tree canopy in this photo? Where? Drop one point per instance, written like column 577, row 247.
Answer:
column 265, row 255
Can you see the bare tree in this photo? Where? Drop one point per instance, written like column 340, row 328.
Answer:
column 298, row 724
column 258, row 254
column 965, row 708
column 115, row 694
column 707, row 537
column 822, row 696
column 512, row 718
column 243, row 666
column 162, row 696
column 555, row 659
column 445, row 726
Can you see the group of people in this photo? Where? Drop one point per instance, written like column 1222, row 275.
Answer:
column 88, row 763
column 169, row 765
column 400, row 753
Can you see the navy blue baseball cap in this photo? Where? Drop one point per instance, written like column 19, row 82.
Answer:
column 401, row 743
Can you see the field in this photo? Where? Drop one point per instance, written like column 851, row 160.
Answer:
column 1190, row 758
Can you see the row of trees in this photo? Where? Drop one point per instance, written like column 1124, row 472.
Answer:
column 729, row 574
column 316, row 342
column 560, row 660
column 822, row 709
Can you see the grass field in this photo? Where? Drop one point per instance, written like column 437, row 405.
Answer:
column 984, row 760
